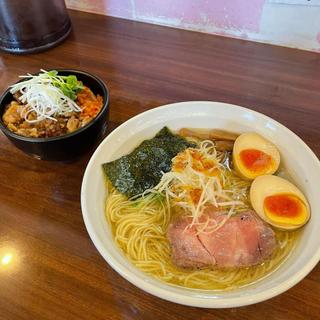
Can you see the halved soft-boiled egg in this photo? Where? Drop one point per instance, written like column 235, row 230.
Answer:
column 279, row 202
column 254, row 156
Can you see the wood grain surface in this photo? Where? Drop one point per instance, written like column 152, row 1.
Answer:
column 55, row 271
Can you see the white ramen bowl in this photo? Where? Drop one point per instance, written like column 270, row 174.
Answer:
column 298, row 159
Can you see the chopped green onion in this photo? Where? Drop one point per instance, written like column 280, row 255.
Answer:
column 47, row 95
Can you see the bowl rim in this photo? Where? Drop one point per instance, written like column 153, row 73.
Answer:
column 150, row 285
column 106, row 97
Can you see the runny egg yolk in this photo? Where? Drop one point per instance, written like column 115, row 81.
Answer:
column 256, row 161
column 285, row 209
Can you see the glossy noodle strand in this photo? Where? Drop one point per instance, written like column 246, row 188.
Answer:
column 140, row 226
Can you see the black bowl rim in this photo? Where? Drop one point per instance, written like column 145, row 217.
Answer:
column 68, row 135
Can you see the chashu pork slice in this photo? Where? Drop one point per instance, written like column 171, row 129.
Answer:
column 244, row 240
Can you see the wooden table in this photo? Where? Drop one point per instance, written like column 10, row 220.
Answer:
column 55, row 271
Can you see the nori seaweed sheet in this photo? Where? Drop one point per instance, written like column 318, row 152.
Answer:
column 142, row 169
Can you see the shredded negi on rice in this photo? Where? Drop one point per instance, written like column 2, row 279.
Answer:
column 49, row 105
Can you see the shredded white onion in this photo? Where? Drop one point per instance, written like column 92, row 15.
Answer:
column 40, row 96
column 212, row 190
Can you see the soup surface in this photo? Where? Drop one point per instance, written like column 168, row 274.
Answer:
column 200, row 204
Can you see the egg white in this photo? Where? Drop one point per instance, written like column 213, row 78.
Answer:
column 252, row 140
column 268, row 185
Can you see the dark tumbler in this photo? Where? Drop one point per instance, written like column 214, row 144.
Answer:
column 28, row 26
